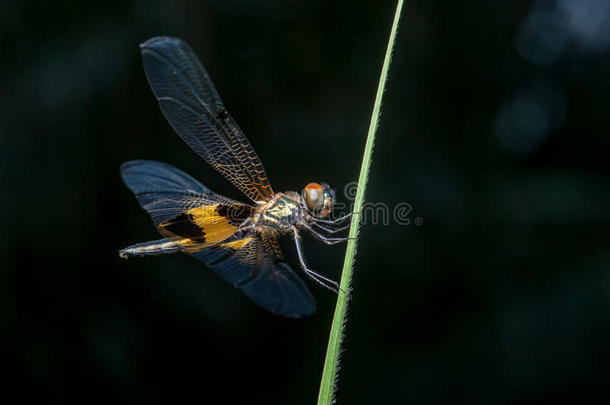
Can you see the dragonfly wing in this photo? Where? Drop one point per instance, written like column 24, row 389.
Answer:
column 197, row 221
column 194, row 109
column 183, row 209
column 272, row 246
column 272, row 284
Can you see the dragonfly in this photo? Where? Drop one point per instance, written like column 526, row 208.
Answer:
column 237, row 241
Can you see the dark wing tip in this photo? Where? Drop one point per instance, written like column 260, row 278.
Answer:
column 305, row 312
column 131, row 163
column 139, row 167
column 141, row 162
column 127, row 166
column 299, row 302
column 156, row 42
column 301, row 314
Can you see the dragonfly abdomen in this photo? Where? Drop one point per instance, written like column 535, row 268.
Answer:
column 152, row 248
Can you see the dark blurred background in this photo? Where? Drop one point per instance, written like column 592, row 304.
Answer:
column 494, row 130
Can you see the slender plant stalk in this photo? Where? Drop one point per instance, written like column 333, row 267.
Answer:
column 331, row 363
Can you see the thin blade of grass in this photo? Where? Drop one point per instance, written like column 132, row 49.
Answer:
column 331, row 363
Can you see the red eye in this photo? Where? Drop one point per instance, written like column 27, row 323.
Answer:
column 314, row 196
column 314, row 186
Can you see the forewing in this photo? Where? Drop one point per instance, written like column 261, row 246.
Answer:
column 183, row 209
column 194, row 109
column 271, row 283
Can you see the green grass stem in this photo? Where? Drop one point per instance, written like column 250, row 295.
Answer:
column 331, row 363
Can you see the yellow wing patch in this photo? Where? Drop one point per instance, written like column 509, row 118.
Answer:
column 238, row 244
column 204, row 226
column 215, row 226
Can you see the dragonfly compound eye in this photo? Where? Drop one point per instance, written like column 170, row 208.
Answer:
column 313, row 193
column 319, row 198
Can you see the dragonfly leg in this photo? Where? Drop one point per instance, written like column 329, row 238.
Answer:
column 245, row 223
column 320, row 279
column 328, row 241
column 333, row 221
column 331, row 231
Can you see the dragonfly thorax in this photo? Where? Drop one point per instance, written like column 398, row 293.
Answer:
column 283, row 211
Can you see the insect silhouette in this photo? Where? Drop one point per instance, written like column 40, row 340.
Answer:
column 238, row 241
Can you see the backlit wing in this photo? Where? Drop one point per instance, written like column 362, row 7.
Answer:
column 183, row 209
column 197, row 221
column 271, row 283
column 194, row 109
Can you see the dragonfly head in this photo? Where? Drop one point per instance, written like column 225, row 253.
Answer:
column 319, row 199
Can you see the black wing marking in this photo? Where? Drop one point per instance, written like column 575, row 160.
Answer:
column 194, row 109
column 166, row 192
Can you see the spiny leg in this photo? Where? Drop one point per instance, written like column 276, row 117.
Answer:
column 313, row 275
column 331, row 231
column 320, row 279
column 334, row 221
column 328, row 241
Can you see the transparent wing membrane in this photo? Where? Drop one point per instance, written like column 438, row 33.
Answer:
column 194, row 109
